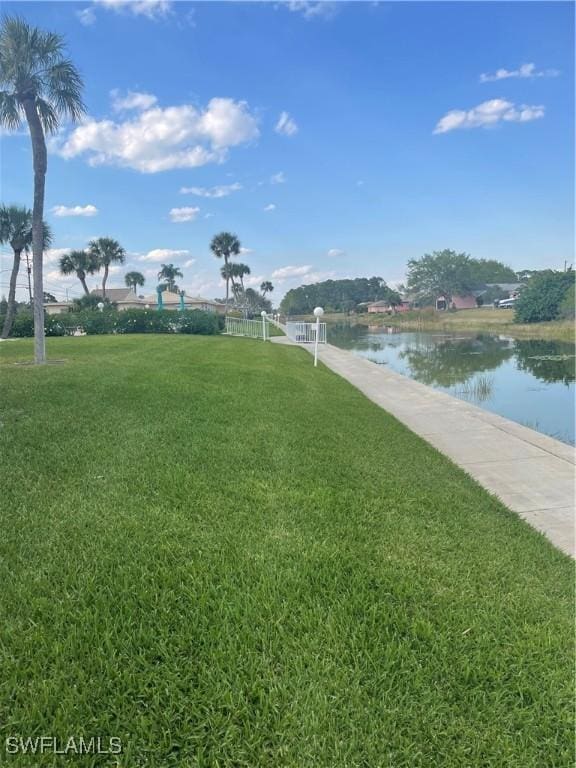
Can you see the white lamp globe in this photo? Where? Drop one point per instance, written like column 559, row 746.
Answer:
column 263, row 313
column 318, row 312
column 147, row 306
column 100, row 305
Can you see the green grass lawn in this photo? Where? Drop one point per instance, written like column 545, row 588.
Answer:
column 228, row 558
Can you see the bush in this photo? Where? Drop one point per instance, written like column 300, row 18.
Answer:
column 542, row 298
column 95, row 323
column 566, row 310
column 23, row 325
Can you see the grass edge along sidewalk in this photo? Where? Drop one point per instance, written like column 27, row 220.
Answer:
column 223, row 556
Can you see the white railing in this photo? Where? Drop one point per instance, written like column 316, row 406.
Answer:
column 305, row 333
column 253, row 329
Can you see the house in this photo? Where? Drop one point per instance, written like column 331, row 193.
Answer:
column 126, row 298
column 171, row 300
column 458, row 301
column 472, row 299
column 385, row 307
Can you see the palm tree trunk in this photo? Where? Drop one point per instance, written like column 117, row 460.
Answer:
column 40, row 163
column 104, row 279
column 82, row 278
column 11, row 308
column 227, row 279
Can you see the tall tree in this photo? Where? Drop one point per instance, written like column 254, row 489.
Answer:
column 240, row 271
column 16, row 229
column 106, row 251
column 266, row 287
column 224, row 246
column 134, row 280
column 79, row 263
column 167, row 276
column 39, row 84
column 227, row 272
column 441, row 273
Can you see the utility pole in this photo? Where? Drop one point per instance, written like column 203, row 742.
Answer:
column 29, row 271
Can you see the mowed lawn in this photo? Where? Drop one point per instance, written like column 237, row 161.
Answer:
column 225, row 557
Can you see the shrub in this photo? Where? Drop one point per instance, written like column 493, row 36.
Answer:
column 542, row 298
column 93, row 322
column 23, row 325
column 566, row 310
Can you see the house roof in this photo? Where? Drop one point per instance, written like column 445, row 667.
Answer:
column 169, row 297
column 115, row 294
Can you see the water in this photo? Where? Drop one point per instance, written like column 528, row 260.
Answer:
column 530, row 381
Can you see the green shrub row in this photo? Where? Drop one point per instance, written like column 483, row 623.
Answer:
column 92, row 322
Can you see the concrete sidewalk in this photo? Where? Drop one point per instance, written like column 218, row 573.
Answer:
column 531, row 473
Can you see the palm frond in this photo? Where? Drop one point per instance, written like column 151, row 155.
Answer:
column 48, row 116
column 10, row 111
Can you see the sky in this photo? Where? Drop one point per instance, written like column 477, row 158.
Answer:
column 335, row 139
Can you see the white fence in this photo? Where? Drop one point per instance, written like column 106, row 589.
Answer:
column 306, row 332
column 253, row 329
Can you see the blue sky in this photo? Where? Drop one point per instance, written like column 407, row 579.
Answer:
column 336, row 140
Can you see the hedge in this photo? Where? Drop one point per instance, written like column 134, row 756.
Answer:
column 93, row 322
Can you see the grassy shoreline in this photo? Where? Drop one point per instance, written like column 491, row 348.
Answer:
column 224, row 556
column 471, row 320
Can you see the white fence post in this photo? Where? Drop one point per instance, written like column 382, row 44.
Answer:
column 318, row 312
column 263, row 316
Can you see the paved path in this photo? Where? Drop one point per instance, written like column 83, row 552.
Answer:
column 531, row 473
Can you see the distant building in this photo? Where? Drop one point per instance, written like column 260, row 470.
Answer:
column 125, row 298
column 472, row 299
column 386, row 308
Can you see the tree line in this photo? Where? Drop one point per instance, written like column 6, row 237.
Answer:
column 337, row 295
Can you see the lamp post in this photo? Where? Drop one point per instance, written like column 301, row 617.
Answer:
column 263, row 316
column 100, row 306
column 318, row 312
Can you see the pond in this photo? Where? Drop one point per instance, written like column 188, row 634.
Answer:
column 530, row 381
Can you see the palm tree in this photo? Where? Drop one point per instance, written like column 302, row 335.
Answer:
column 16, row 229
column 239, row 271
column 227, row 272
column 223, row 246
column 38, row 84
column 79, row 263
column 134, row 279
column 266, row 287
column 167, row 275
column 106, row 251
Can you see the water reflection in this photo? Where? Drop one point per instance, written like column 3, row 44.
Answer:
column 529, row 381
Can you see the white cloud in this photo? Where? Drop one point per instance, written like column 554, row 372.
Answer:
column 189, row 263
column 165, row 255
column 87, row 17
column 286, row 125
column 270, row 207
column 151, row 9
column 75, row 210
column 320, row 9
column 253, row 281
column 214, row 192
column 245, row 251
column 335, row 252
column 488, row 113
column 54, row 254
column 524, row 71
column 278, row 178
column 132, row 100
column 179, row 215
column 285, row 273
column 160, row 139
